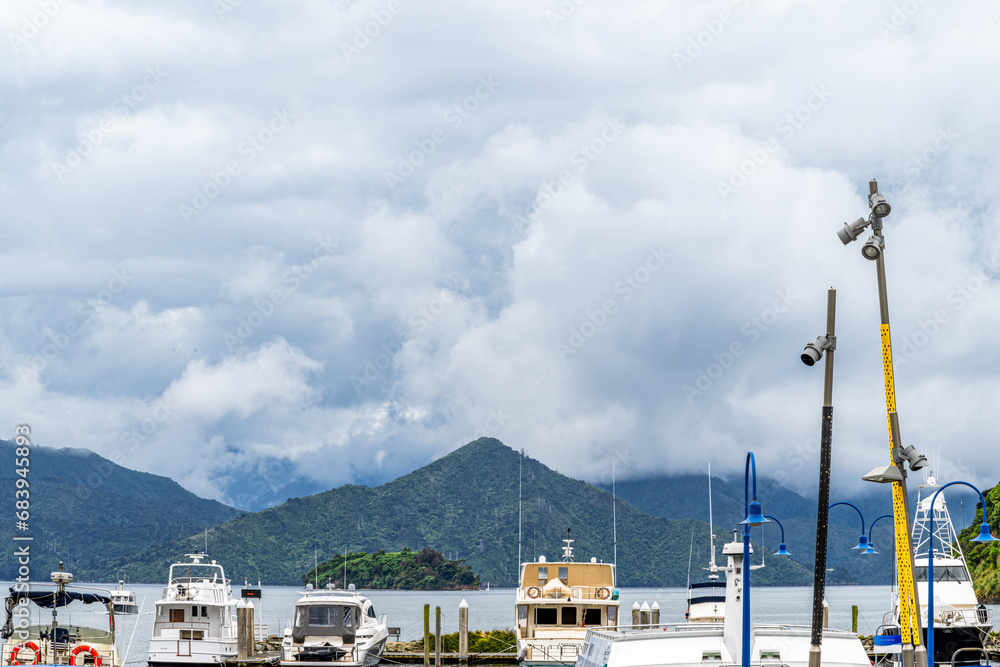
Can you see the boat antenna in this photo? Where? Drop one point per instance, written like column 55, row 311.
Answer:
column 690, row 554
column 206, row 539
column 713, row 569
column 614, row 513
column 316, row 565
column 345, row 568
column 520, row 463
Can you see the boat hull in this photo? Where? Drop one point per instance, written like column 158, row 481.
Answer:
column 189, row 652
column 367, row 657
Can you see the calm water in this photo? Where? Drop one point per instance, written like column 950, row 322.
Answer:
column 494, row 609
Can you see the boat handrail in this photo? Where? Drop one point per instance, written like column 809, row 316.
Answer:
column 600, row 593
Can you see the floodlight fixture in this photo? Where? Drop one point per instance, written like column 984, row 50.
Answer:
column 880, row 207
column 884, row 475
column 915, row 460
column 851, row 230
column 872, row 249
column 814, row 350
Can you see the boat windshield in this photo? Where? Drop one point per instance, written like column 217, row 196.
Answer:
column 941, row 573
column 326, row 620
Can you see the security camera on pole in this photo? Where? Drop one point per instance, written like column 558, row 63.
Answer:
column 909, row 606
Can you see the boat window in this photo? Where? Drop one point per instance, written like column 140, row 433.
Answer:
column 322, row 616
column 204, row 612
column 612, row 615
column 546, row 616
column 569, row 615
column 348, row 616
column 592, row 617
column 941, row 573
column 522, row 614
column 371, row 611
column 194, row 612
column 564, row 574
column 543, row 575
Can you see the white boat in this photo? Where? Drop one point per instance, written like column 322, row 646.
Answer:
column 708, row 644
column 333, row 626
column 123, row 600
column 960, row 623
column 193, row 623
column 557, row 602
column 57, row 643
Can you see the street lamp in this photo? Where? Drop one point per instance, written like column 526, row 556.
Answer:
column 754, row 518
column 984, row 536
column 874, row 249
column 812, row 354
column 863, row 540
column 782, row 551
column 871, row 545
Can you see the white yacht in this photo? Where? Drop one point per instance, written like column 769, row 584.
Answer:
column 711, row 644
column 960, row 622
column 334, row 626
column 57, row 643
column 123, row 600
column 557, row 602
column 193, row 623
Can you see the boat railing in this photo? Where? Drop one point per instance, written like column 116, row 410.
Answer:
column 559, row 652
column 195, row 592
column 978, row 616
column 600, row 593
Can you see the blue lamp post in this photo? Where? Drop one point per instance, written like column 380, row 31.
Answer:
column 863, row 540
column 754, row 518
column 871, row 545
column 782, row 551
column 984, row 536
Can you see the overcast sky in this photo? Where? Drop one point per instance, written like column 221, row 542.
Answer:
column 268, row 248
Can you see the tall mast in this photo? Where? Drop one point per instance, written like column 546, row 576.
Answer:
column 520, row 463
column 614, row 514
column 712, row 567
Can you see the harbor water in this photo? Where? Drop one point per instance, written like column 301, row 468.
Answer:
column 491, row 609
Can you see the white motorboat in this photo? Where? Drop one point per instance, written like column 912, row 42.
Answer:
column 708, row 644
column 961, row 624
column 193, row 623
column 123, row 600
column 557, row 602
column 334, row 626
column 57, row 643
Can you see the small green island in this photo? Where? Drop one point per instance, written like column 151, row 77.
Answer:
column 423, row 570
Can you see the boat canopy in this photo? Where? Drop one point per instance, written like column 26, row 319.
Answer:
column 50, row 599
column 326, row 620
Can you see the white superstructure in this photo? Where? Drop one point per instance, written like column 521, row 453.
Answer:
column 557, row 602
column 123, row 600
column 334, row 627
column 709, row 644
column 193, row 622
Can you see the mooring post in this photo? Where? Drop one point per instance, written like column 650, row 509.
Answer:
column 854, row 619
column 635, row 614
column 463, row 632
column 249, row 634
column 826, row 615
column 655, row 616
column 427, row 635
column 644, row 614
column 241, row 629
column 437, row 637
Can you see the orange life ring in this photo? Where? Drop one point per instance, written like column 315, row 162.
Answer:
column 534, row 592
column 83, row 648
column 17, row 649
column 603, row 593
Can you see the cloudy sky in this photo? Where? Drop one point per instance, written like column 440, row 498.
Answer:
column 268, row 248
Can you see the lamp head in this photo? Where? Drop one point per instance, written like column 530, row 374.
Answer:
column 872, row 249
column 880, row 207
column 884, row 475
column 851, row 230
column 782, row 551
column 814, row 350
column 862, row 543
column 915, row 459
column 984, row 534
column 870, row 550
column 755, row 516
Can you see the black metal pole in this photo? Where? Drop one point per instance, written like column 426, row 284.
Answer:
column 822, row 510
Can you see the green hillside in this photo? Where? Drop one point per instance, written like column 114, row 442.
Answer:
column 425, row 570
column 86, row 509
column 465, row 505
column 984, row 558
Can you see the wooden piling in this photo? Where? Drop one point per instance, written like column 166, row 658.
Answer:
column 427, row 635
column 241, row 629
column 854, row 619
column 463, row 632
column 437, row 637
